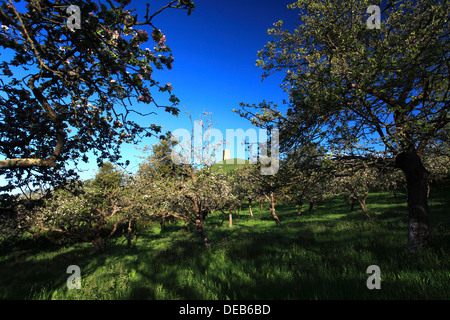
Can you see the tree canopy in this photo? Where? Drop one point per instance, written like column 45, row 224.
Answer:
column 363, row 93
column 67, row 90
column 360, row 89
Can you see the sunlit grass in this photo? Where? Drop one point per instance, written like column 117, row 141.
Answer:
column 321, row 255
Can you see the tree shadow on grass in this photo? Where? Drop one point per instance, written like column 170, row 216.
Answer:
column 22, row 277
column 260, row 261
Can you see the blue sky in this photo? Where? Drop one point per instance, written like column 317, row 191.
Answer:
column 215, row 49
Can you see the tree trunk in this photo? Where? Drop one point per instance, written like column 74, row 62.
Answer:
column 275, row 217
column 230, row 218
column 311, row 205
column 362, row 203
column 129, row 233
column 347, row 199
column 417, row 187
column 250, row 208
column 163, row 222
column 99, row 244
column 272, row 209
column 260, row 205
column 299, row 211
column 352, row 206
column 201, row 229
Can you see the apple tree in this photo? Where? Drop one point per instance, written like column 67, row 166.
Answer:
column 74, row 75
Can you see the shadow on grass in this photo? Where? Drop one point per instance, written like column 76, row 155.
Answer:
column 22, row 274
column 320, row 255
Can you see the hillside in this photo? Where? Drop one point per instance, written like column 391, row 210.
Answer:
column 226, row 167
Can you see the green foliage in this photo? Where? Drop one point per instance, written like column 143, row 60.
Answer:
column 373, row 95
column 108, row 177
column 351, row 90
column 187, row 191
column 80, row 86
column 89, row 213
column 161, row 154
column 356, row 88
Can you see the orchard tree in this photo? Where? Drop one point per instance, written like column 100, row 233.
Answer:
column 245, row 185
column 160, row 157
column 90, row 213
column 108, row 177
column 111, row 179
column 438, row 165
column 190, row 196
column 192, row 190
column 304, row 171
column 261, row 186
column 393, row 180
column 356, row 185
column 364, row 91
column 72, row 73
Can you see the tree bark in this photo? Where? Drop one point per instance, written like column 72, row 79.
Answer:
column 26, row 163
column 99, row 244
column 130, row 233
column 230, row 218
column 250, row 208
column 272, row 209
column 299, row 211
column 352, row 206
column 311, row 206
column 201, row 229
column 362, row 203
column 417, row 187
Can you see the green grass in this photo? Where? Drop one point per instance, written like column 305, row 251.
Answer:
column 321, row 255
column 229, row 165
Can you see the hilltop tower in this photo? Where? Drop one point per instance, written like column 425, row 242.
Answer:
column 226, row 155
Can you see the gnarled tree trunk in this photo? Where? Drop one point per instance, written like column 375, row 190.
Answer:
column 199, row 223
column 271, row 200
column 362, row 202
column 417, row 188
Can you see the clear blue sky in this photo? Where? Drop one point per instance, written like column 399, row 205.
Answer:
column 215, row 49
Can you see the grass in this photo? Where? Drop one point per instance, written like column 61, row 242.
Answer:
column 321, row 255
column 229, row 165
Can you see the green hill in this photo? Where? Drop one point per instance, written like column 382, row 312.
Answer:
column 227, row 167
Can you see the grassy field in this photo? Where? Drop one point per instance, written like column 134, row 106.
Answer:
column 321, row 255
column 229, row 165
